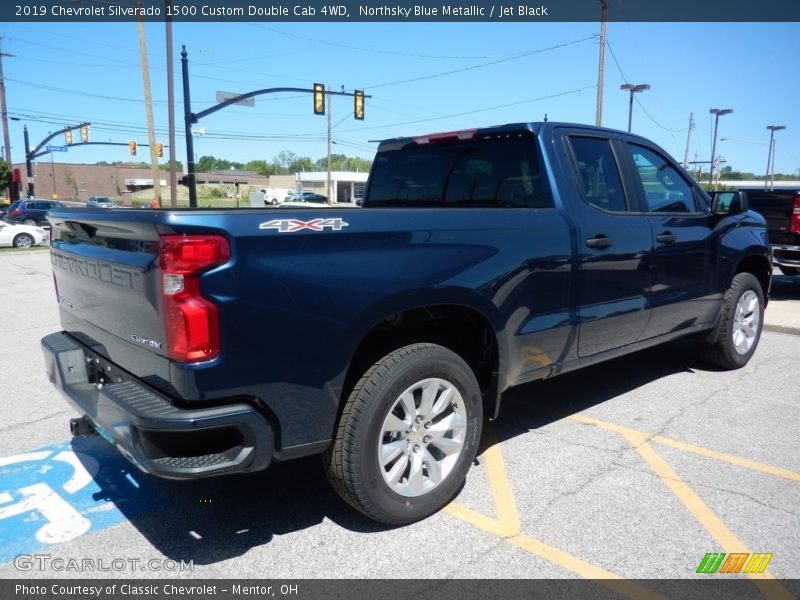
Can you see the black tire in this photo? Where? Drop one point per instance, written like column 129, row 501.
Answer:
column 23, row 240
column 352, row 463
column 29, row 221
column 789, row 270
column 725, row 352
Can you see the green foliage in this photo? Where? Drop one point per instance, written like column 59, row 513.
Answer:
column 5, row 175
column 285, row 162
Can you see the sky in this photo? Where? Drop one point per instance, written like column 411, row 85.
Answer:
column 422, row 78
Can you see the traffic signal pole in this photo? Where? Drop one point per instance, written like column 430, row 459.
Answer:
column 31, row 154
column 28, row 162
column 190, row 118
column 187, row 122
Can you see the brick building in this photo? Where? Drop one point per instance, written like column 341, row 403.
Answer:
column 68, row 181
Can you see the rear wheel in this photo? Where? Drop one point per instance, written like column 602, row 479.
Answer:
column 29, row 221
column 789, row 270
column 23, row 240
column 741, row 319
column 408, row 435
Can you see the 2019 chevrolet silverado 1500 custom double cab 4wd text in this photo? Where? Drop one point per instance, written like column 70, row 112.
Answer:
column 205, row 342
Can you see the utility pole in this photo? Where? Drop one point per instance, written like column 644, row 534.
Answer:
column 688, row 138
column 148, row 105
column 330, row 119
column 601, row 63
column 173, row 176
column 6, row 141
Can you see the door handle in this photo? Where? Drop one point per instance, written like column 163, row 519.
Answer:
column 600, row 241
column 666, row 238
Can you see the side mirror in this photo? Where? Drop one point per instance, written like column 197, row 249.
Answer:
column 730, row 203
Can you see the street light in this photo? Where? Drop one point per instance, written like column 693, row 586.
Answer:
column 771, row 154
column 719, row 112
column 633, row 89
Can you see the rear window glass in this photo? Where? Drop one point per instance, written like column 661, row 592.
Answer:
column 478, row 173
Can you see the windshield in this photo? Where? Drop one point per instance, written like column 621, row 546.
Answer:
column 497, row 172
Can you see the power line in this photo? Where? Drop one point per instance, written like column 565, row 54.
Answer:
column 644, row 110
column 387, row 52
column 471, row 112
column 479, row 66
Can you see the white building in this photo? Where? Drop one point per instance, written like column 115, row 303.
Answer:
column 346, row 186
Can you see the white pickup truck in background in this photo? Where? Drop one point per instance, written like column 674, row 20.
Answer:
column 268, row 197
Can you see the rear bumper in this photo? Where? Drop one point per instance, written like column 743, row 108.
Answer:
column 151, row 432
column 786, row 255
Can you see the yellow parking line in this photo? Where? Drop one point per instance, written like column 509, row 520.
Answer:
column 699, row 510
column 729, row 458
column 507, row 526
column 713, row 454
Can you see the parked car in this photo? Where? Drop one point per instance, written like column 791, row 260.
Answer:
column 213, row 342
column 31, row 212
column 306, row 197
column 100, row 202
column 21, row 236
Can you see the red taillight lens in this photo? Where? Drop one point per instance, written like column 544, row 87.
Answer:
column 191, row 320
column 794, row 221
column 15, row 211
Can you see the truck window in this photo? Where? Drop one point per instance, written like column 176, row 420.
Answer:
column 476, row 173
column 599, row 177
column 662, row 187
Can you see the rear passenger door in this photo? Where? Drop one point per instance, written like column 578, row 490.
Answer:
column 683, row 260
column 614, row 246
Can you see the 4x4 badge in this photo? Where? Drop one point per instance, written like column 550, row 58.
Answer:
column 292, row 225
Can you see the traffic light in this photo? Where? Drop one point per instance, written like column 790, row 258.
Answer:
column 68, row 136
column 132, row 147
column 358, row 105
column 160, row 149
column 319, row 99
column 84, row 133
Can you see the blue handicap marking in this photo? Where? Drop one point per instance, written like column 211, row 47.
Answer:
column 57, row 493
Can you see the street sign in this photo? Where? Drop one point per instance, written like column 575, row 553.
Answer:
column 56, row 148
column 223, row 96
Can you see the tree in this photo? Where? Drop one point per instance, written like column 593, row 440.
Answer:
column 5, row 175
column 259, row 166
column 300, row 164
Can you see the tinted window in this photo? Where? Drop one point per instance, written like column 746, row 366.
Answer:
column 486, row 173
column 600, row 181
column 664, row 188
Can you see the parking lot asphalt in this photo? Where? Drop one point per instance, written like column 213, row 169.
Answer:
column 635, row 469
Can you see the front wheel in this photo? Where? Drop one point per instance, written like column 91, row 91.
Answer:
column 23, row 240
column 740, row 322
column 408, row 435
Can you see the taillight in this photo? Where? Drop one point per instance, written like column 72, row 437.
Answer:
column 15, row 211
column 191, row 320
column 794, row 221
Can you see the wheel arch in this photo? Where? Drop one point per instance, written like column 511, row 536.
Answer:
column 467, row 328
column 760, row 267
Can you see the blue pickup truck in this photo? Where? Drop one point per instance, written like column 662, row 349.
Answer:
column 208, row 342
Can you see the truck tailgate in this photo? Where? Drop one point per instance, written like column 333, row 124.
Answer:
column 106, row 273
